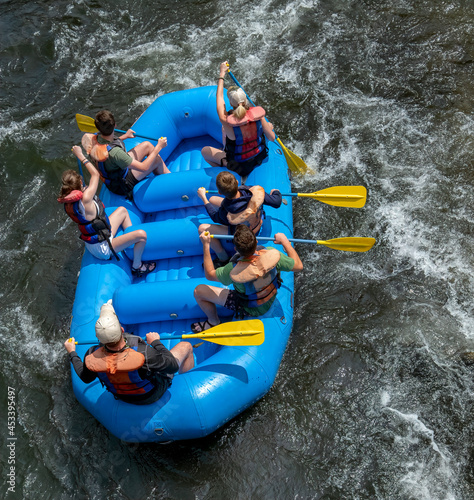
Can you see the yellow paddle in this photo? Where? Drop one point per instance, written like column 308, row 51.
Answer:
column 234, row 333
column 339, row 196
column 296, row 164
column 87, row 124
column 355, row 244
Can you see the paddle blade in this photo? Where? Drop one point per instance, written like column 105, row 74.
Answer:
column 86, row 123
column 349, row 244
column 340, row 196
column 295, row 163
column 234, row 333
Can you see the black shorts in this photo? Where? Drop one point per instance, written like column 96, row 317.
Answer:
column 233, row 303
column 246, row 167
column 124, row 186
column 161, row 383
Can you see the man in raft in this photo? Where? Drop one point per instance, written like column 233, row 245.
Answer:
column 133, row 370
column 97, row 230
column 241, row 205
column 254, row 272
column 120, row 170
column 245, row 130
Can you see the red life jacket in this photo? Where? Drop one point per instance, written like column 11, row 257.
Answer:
column 92, row 231
column 249, row 136
column 118, row 371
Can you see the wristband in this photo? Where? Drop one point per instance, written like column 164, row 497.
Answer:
column 221, row 78
column 84, row 161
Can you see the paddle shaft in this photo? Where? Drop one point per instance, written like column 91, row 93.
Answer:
column 200, row 335
column 80, row 170
column 163, row 337
column 344, row 244
column 141, row 136
column 315, row 195
column 264, row 238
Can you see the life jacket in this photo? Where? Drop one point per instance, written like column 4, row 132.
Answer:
column 259, row 276
column 92, row 231
column 99, row 153
column 118, row 371
column 249, row 137
column 252, row 216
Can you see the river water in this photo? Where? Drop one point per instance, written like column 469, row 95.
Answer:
column 372, row 399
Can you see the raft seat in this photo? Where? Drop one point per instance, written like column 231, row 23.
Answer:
column 158, row 301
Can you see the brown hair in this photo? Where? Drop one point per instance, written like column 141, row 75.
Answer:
column 105, row 122
column 244, row 241
column 70, row 181
column 227, row 184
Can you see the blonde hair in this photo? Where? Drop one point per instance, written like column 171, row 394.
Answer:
column 238, row 101
column 71, row 181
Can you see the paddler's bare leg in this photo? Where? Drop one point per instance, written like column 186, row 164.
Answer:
column 207, row 297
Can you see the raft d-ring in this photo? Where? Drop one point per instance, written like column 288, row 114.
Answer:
column 173, row 316
column 159, row 431
column 180, row 252
column 278, row 151
column 283, row 320
column 185, row 197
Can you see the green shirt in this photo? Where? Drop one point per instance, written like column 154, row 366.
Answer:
column 118, row 159
column 223, row 276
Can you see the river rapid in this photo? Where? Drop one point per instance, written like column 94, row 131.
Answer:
column 372, row 400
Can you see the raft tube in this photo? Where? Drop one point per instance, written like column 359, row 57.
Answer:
column 226, row 379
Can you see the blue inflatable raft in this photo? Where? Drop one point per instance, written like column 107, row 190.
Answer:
column 226, row 379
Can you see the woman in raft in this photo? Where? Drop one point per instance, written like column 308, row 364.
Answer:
column 97, row 230
column 245, row 130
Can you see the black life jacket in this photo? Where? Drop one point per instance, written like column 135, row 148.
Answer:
column 113, row 176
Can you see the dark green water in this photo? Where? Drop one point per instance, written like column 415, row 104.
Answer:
column 371, row 400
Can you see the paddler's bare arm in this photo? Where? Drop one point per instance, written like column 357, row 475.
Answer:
column 282, row 240
column 201, row 192
column 220, row 103
column 209, row 270
column 129, row 134
column 143, row 166
column 90, row 191
column 268, row 129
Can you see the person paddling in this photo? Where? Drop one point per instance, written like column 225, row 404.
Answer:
column 254, row 273
column 97, row 230
column 245, row 130
column 241, row 205
column 133, row 370
column 121, row 171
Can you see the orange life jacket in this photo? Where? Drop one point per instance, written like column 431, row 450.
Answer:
column 118, row 371
column 259, row 276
